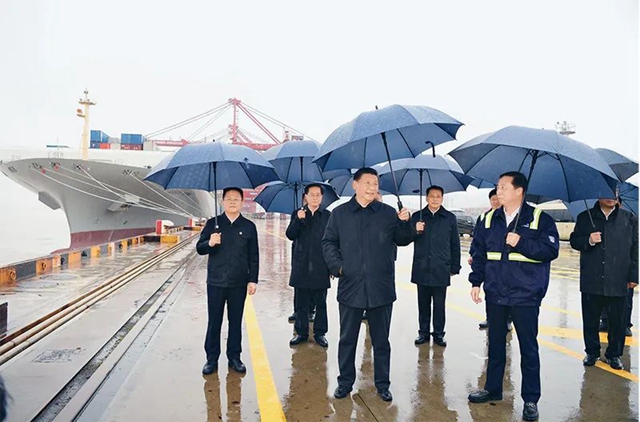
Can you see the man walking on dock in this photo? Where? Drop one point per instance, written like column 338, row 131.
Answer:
column 232, row 272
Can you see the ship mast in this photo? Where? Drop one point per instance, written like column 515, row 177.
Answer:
column 85, row 130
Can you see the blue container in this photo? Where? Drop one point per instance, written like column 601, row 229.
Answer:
column 132, row 138
column 94, row 145
column 98, row 136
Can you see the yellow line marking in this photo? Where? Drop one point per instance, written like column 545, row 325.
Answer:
column 268, row 398
column 544, row 330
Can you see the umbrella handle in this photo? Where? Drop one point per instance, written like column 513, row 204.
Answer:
column 433, row 148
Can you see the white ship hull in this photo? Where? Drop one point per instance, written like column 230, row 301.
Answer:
column 104, row 198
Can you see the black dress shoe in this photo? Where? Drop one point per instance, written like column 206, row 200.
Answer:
column 440, row 341
column 385, row 394
column 321, row 341
column 530, row 412
column 627, row 332
column 590, row 360
column 341, row 392
column 420, row 340
column 209, row 368
column 297, row 339
column 482, row 396
column 237, row 365
column 484, row 324
column 615, row 363
column 292, row 317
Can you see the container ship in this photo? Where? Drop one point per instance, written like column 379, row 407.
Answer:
column 100, row 186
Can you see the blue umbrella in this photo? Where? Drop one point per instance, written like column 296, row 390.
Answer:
column 281, row 197
column 292, row 162
column 212, row 166
column 558, row 167
column 627, row 192
column 424, row 170
column 387, row 134
column 622, row 166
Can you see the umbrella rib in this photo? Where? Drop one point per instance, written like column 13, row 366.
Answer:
column 364, row 157
column 566, row 183
column 405, row 142
column 523, row 160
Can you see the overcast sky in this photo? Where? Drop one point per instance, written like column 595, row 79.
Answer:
column 316, row 65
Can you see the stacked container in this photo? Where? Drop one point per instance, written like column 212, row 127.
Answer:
column 98, row 140
column 131, row 141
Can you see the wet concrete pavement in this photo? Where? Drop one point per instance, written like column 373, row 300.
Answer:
column 429, row 383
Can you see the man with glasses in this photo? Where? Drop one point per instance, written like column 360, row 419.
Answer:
column 358, row 247
column 436, row 258
column 232, row 272
column 309, row 273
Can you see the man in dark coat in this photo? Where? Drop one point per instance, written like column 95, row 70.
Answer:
column 436, row 257
column 607, row 238
column 512, row 256
column 309, row 272
column 232, row 272
column 358, row 246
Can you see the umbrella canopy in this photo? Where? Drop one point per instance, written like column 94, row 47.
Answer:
column 628, row 196
column 386, row 134
column 416, row 174
column 292, row 161
column 211, row 167
column 481, row 183
column 425, row 170
column 622, row 166
column 281, row 197
column 557, row 167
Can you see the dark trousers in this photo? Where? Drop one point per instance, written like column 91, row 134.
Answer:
column 592, row 306
column 312, row 306
column 305, row 297
column 379, row 323
column 425, row 295
column 628, row 310
column 525, row 319
column 234, row 298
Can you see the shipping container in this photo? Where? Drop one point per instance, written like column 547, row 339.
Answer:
column 131, row 147
column 132, row 138
column 114, row 140
column 104, row 145
column 94, row 145
column 99, row 136
column 114, row 146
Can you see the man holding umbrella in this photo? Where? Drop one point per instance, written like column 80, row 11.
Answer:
column 358, row 248
column 513, row 251
column 232, row 272
column 607, row 238
column 436, row 257
column 309, row 273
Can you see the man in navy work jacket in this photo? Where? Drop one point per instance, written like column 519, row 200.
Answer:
column 608, row 245
column 358, row 247
column 309, row 273
column 232, row 272
column 436, row 257
column 514, row 267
